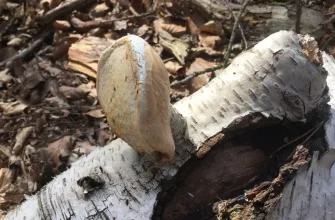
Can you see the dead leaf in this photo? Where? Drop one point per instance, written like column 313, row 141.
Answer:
column 177, row 47
column 61, row 25
column 49, row 4
column 84, row 54
column 210, row 41
column 9, row 193
column 5, row 76
column 212, row 27
column 174, row 68
column 173, row 29
column 15, row 42
column 99, row 10
column 142, row 30
column 120, row 25
column 198, row 82
column 83, row 148
column 73, row 93
column 205, row 51
column 96, row 113
column 62, row 45
column 59, row 152
column 194, row 22
column 12, row 108
column 20, row 139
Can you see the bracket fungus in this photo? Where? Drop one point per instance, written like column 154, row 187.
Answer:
column 134, row 92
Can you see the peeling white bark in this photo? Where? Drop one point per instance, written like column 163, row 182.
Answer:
column 267, row 79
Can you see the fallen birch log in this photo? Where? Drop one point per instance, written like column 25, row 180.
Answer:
column 274, row 81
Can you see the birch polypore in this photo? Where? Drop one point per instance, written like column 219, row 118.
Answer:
column 267, row 79
column 134, row 92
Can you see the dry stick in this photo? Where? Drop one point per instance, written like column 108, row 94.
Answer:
column 311, row 132
column 297, row 23
column 232, row 37
column 87, row 25
column 63, row 9
column 195, row 74
column 26, row 51
column 239, row 25
column 226, row 57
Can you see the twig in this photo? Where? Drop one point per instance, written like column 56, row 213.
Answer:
column 63, row 9
column 26, row 51
column 80, row 25
column 232, row 37
column 311, row 132
column 239, row 25
column 329, row 20
column 297, row 23
column 195, row 74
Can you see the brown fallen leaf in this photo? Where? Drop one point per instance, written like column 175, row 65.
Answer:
column 198, row 82
column 12, row 108
column 5, row 76
column 120, row 25
column 49, row 4
column 10, row 194
column 194, row 22
column 84, row 54
column 174, row 68
column 83, row 148
column 96, row 113
column 212, row 27
column 142, row 30
column 20, row 140
column 73, row 93
column 173, row 29
column 61, row 25
column 210, row 41
column 16, row 42
column 99, row 10
column 59, row 152
column 179, row 48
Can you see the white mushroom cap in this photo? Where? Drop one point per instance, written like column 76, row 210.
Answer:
column 134, row 92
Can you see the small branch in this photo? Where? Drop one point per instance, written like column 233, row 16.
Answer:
column 63, row 9
column 232, row 37
column 297, row 23
column 239, row 25
column 26, row 51
column 195, row 74
column 80, row 25
column 310, row 132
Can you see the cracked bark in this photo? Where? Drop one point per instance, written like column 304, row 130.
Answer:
column 268, row 80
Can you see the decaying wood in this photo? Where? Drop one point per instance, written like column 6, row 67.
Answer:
column 311, row 194
column 274, row 79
